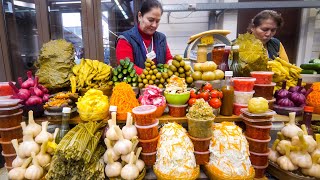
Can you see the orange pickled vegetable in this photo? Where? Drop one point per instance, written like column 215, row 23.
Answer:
column 124, row 98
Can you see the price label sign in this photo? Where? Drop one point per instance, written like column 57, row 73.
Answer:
column 193, row 55
column 207, row 40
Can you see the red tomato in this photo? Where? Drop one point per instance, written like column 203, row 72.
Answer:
column 214, row 94
column 193, row 93
column 207, row 87
column 204, row 95
column 191, row 101
column 215, row 103
column 220, row 94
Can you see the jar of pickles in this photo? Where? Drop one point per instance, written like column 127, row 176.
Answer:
column 202, row 53
column 217, row 53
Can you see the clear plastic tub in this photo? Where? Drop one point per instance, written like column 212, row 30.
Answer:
column 259, row 122
column 238, row 107
column 286, row 110
column 261, row 132
column 149, row 145
column 200, row 128
column 258, row 146
column 242, row 97
column 267, row 115
column 259, row 159
column 271, row 103
column 149, row 158
column 5, row 89
column 259, row 171
column 177, row 110
column 5, row 103
column 10, row 110
column 264, row 90
column 262, row 77
column 202, row 157
column 144, row 115
column 243, row 83
column 148, row 132
column 200, row 144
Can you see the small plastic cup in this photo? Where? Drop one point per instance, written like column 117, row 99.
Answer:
column 243, row 83
column 258, row 132
column 177, row 110
column 238, row 107
column 259, row 171
column 149, row 158
column 262, row 77
column 264, row 90
column 150, row 145
column 258, row 146
column 242, row 97
column 259, row 159
column 200, row 144
column 148, row 132
column 144, row 115
column 200, row 128
column 202, row 157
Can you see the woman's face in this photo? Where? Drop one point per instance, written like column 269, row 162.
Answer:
column 265, row 31
column 149, row 22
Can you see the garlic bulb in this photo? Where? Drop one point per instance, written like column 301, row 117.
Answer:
column 18, row 161
column 35, row 171
column 112, row 169
column 274, row 155
column 111, row 133
column 126, row 158
column 28, row 145
column 43, row 158
column 129, row 130
column 49, row 149
column 317, row 151
column 44, row 136
column 18, row 172
column 314, row 170
column 281, row 147
column 114, row 156
column 130, row 171
column 32, row 126
column 291, row 129
column 139, row 163
column 285, row 162
column 304, row 140
column 122, row 146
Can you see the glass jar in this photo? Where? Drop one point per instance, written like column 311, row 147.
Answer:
column 202, row 53
column 217, row 53
column 224, row 64
column 235, row 66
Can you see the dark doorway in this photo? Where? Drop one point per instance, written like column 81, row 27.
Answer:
column 288, row 34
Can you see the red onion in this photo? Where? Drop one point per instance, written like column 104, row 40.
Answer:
column 22, row 94
column 282, row 93
column 29, row 82
column 20, row 81
column 45, row 98
column 297, row 98
column 33, row 100
column 36, row 90
column 43, row 89
column 285, row 102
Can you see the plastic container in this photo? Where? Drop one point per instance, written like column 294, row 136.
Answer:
column 200, row 128
column 264, row 90
column 8, row 167
column 242, row 97
column 160, row 110
column 202, row 157
column 262, row 77
column 200, row 144
column 259, row 159
column 258, row 146
column 258, row 132
column 150, row 145
column 286, row 110
column 148, row 132
column 9, row 158
column 5, row 103
column 271, row 103
column 7, row 146
column 6, row 89
column 258, row 122
column 267, row 115
column 243, row 83
column 216, row 84
column 238, row 107
column 10, row 110
column 144, row 115
column 177, row 99
column 7, row 134
column 93, row 116
column 177, row 110
column 149, row 158
column 259, row 171
column 12, row 120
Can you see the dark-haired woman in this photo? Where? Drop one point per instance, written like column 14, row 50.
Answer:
column 143, row 41
column 264, row 26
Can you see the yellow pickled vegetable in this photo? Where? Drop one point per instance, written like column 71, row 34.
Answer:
column 93, row 106
column 258, row 105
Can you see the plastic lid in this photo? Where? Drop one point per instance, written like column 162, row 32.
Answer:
column 227, row 47
column 66, row 110
column 113, row 108
column 243, row 78
column 241, row 105
column 256, row 120
column 262, row 72
column 147, row 127
column 173, row 105
column 9, row 102
column 144, row 109
column 258, row 140
column 268, row 113
column 260, row 154
column 219, row 45
column 308, row 109
column 228, row 73
column 198, row 152
column 149, row 154
column 235, row 47
column 243, row 92
column 272, row 84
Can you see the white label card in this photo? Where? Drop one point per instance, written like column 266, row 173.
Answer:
column 151, row 55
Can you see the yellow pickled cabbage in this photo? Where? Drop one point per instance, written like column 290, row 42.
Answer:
column 93, row 106
column 258, row 105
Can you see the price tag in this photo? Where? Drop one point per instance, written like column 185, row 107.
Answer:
column 193, row 55
column 207, row 40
